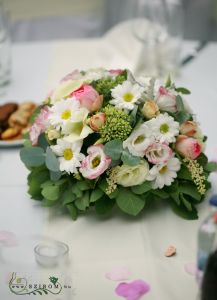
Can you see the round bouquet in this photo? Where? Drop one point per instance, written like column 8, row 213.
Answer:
column 103, row 139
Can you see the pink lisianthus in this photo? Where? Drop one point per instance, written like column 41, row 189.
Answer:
column 188, row 147
column 158, row 153
column 39, row 126
column 115, row 72
column 97, row 121
column 88, row 97
column 166, row 100
column 95, row 163
column 72, row 76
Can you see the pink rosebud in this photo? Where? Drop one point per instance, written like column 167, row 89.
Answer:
column 88, row 97
column 116, row 72
column 97, row 121
column 95, row 163
column 189, row 128
column 166, row 100
column 158, row 153
column 132, row 290
column 188, row 147
column 39, row 126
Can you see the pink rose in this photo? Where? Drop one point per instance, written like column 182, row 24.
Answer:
column 95, row 163
column 166, row 100
column 39, row 126
column 97, row 121
column 158, row 153
column 188, row 147
column 115, row 72
column 88, row 97
column 189, row 128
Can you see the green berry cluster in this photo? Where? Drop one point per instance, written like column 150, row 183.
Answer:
column 117, row 124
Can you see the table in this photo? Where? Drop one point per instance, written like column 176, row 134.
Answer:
column 99, row 245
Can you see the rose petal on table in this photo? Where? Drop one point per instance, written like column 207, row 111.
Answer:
column 133, row 290
column 118, row 274
column 8, row 238
column 170, row 251
column 190, row 268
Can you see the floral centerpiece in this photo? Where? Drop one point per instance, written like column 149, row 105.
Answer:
column 102, row 138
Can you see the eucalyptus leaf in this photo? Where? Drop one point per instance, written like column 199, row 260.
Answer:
column 113, row 149
column 51, row 192
column 51, row 161
column 142, row 188
column 55, row 176
column 183, row 116
column 129, row 202
column 32, row 156
column 179, row 103
column 42, row 141
column 128, row 159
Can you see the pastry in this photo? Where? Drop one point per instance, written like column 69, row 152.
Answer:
column 20, row 118
column 5, row 111
column 10, row 133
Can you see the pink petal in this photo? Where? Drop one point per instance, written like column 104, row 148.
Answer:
column 118, row 274
column 133, row 290
column 190, row 268
column 8, row 238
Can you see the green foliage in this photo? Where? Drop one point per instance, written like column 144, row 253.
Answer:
column 83, row 202
column 37, row 177
column 179, row 103
column 72, row 211
column 96, row 194
column 51, row 161
column 104, row 205
column 211, row 167
column 51, row 192
column 142, row 188
column 128, row 159
column 32, row 156
column 129, row 202
column 183, row 90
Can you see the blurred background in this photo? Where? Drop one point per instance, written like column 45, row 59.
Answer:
column 64, row 19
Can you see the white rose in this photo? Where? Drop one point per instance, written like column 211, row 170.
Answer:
column 132, row 175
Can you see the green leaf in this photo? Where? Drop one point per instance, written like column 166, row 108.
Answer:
column 202, row 160
column 128, row 159
column 113, row 149
column 175, row 197
column 103, row 185
column 51, row 161
column 183, row 91
column 181, row 211
column 73, row 211
column 160, row 193
column 32, row 156
column 68, row 197
column 35, row 179
column 83, row 202
column 184, row 173
column 179, row 103
column 51, row 192
column 96, row 195
column 104, row 205
column 211, row 167
column 114, row 194
column 46, row 183
column 42, row 141
column 129, row 202
column 142, row 188
column 133, row 116
column 83, row 185
column 190, row 189
column 186, row 203
column 168, row 82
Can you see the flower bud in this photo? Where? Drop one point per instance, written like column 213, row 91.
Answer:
column 166, row 100
column 188, row 147
column 97, row 121
column 88, row 97
column 189, row 128
column 53, row 134
column 150, row 109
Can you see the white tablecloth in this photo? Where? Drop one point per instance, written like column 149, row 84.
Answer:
column 99, row 245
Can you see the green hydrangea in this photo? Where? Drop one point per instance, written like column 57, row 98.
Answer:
column 117, row 125
column 104, row 86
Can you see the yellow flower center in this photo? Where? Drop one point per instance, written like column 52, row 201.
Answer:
column 164, row 128
column 139, row 139
column 163, row 170
column 128, row 97
column 68, row 154
column 66, row 115
column 96, row 161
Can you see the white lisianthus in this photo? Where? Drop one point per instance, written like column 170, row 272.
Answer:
column 126, row 95
column 164, row 174
column 166, row 99
column 69, row 155
column 139, row 140
column 95, row 74
column 132, row 175
column 53, row 134
column 65, row 89
column 164, row 128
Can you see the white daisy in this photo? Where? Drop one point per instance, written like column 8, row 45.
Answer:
column 126, row 95
column 164, row 128
column 164, row 174
column 69, row 155
column 139, row 140
column 64, row 111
